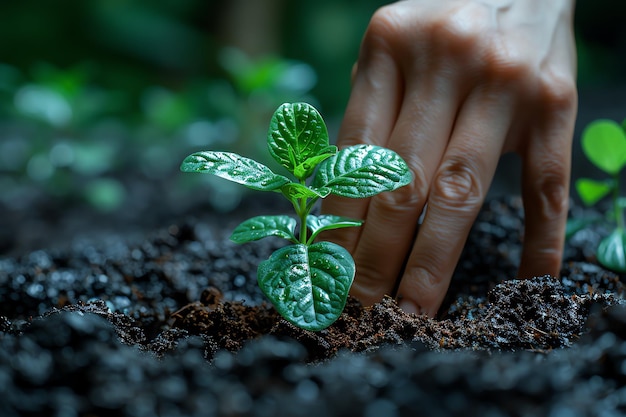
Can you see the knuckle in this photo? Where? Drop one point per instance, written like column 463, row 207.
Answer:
column 547, row 87
column 558, row 91
column 464, row 31
column 482, row 51
column 382, row 29
column 507, row 64
column 457, row 186
column 507, row 67
column 551, row 188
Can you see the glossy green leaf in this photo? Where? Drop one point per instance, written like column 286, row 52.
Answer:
column 612, row 251
column 306, row 168
column 235, row 168
column 318, row 224
column 294, row 191
column 591, row 191
column 362, row 171
column 308, row 285
column 604, row 143
column 264, row 226
column 297, row 133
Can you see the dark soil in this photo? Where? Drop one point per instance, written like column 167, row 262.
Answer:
column 173, row 324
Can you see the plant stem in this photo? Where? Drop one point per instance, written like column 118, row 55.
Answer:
column 303, row 212
column 310, row 204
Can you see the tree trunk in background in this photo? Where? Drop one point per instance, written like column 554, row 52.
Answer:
column 252, row 26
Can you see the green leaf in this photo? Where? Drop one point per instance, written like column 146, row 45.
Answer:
column 318, row 224
column 604, row 143
column 297, row 133
column 362, row 171
column 263, row 226
column 612, row 251
column 591, row 191
column 308, row 285
column 235, row 168
column 575, row 225
column 294, row 191
column 305, row 169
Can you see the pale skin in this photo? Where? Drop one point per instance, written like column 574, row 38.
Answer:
column 451, row 85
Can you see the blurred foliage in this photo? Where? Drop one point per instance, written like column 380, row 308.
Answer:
column 601, row 42
column 63, row 134
column 102, row 94
column 97, row 94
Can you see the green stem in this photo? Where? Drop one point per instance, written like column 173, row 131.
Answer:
column 303, row 212
column 310, row 204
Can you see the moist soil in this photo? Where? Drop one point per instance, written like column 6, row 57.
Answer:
column 170, row 322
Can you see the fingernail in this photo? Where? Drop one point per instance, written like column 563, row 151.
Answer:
column 409, row 306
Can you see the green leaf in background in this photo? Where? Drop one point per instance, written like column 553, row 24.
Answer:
column 235, row 168
column 297, row 133
column 362, row 171
column 604, row 143
column 308, row 285
column 105, row 194
column 166, row 109
column 318, row 224
column 574, row 225
column 591, row 191
column 612, row 251
column 259, row 227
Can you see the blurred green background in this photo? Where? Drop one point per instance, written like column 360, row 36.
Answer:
column 100, row 97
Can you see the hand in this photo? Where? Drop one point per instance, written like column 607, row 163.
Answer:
column 451, row 85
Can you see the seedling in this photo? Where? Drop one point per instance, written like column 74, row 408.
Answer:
column 604, row 144
column 307, row 281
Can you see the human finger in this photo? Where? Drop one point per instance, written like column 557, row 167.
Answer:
column 456, row 196
column 545, row 185
column 547, row 158
column 420, row 135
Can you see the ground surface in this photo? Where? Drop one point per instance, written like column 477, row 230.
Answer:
column 171, row 322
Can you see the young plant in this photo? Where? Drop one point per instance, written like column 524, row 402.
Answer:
column 307, row 281
column 604, row 144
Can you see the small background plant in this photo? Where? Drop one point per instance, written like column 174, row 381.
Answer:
column 308, row 281
column 604, row 144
